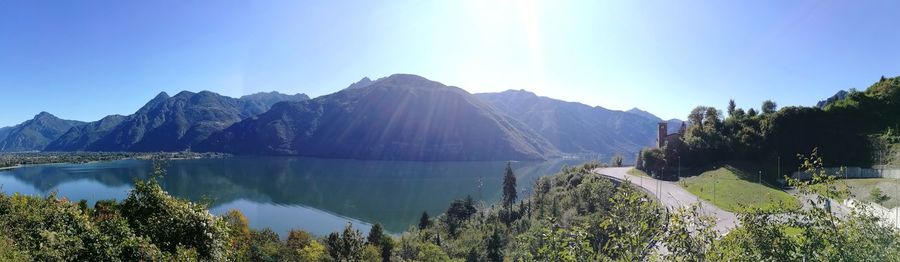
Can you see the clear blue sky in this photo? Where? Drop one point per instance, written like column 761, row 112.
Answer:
column 86, row 59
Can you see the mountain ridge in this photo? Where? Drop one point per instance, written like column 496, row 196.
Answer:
column 400, row 117
column 168, row 123
column 577, row 128
column 36, row 133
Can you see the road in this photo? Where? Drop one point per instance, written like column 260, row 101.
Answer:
column 673, row 196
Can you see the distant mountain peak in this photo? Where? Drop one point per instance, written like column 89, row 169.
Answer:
column 44, row 114
column 519, row 92
column 645, row 114
column 162, row 95
column 185, row 93
column 364, row 82
column 409, row 80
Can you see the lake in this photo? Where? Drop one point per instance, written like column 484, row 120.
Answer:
column 283, row 193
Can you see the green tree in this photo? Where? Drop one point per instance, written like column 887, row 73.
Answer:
column 751, row 112
column 712, row 117
column 616, row 160
column 495, row 247
column 431, row 253
column 387, row 249
column 768, row 107
column 347, row 246
column 376, row 235
column 265, row 246
column 509, row 187
column 696, row 116
column 472, row 256
column 731, row 107
column 312, row 252
column 459, row 211
column 877, row 196
column 424, row 221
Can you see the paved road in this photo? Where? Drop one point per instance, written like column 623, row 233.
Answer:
column 673, row 196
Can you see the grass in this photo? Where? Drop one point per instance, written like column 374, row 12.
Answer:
column 636, row 172
column 735, row 190
column 860, row 188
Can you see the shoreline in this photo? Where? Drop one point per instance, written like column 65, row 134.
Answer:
column 74, row 160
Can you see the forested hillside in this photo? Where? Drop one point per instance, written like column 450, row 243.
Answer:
column 858, row 130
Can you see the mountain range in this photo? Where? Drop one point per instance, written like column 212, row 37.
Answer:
column 400, row 117
column 578, row 128
column 164, row 124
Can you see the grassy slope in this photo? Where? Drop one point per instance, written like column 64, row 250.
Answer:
column 636, row 172
column 735, row 189
column 860, row 189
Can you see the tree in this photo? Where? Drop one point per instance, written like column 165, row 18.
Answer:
column 739, row 113
column 459, row 211
column 239, row 231
column 616, row 160
column 768, row 107
column 376, row 235
column 264, row 245
column 424, row 221
column 472, row 256
column 731, row 107
column 509, row 187
column 312, row 252
column 696, row 115
column 495, row 247
column 347, row 246
column 877, row 196
column 751, row 112
column 712, row 117
column 387, row 248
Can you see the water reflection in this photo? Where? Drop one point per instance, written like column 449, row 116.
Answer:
column 318, row 195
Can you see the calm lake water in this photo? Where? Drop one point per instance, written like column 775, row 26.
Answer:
column 316, row 195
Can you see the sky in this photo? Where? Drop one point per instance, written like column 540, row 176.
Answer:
column 86, row 59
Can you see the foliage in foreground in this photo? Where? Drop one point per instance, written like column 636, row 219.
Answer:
column 576, row 215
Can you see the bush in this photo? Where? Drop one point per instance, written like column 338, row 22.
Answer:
column 171, row 223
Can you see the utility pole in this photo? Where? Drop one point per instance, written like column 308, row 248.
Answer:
column 779, row 165
column 760, row 177
column 679, row 167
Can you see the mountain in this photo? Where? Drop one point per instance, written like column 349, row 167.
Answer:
column 840, row 95
column 361, row 83
column 400, row 117
column 644, row 114
column 4, row 131
column 80, row 137
column 575, row 127
column 672, row 125
column 169, row 123
column 261, row 102
column 36, row 133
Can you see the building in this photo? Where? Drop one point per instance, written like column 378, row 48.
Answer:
column 663, row 137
